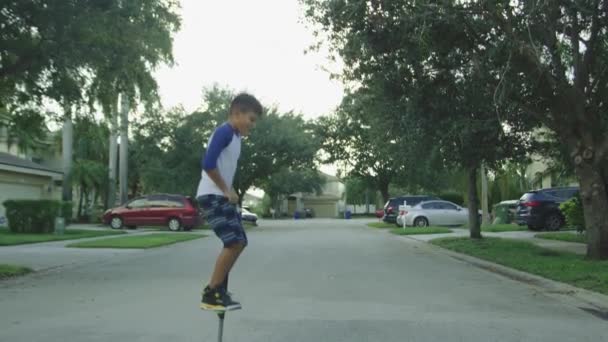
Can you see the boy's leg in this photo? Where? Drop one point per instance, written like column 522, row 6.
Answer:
column 224, row 264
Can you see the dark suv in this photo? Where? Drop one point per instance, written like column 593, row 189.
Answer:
column 391, row 208
column 539, row 209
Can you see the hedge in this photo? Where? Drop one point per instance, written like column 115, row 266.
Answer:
column 573, row 212
column 34, row 216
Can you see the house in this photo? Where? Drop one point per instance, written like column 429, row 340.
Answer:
column 328, row 203
column 538, row 170
column 27, row 176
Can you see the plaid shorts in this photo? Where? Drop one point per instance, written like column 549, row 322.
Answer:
column 223, row 218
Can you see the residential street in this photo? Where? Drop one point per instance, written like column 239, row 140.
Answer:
column 310, row 280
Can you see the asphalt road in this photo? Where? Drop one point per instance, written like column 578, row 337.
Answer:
column 313, row 280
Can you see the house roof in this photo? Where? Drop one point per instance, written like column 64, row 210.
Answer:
column 11, row 160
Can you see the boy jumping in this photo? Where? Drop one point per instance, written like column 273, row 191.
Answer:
column 218, row 200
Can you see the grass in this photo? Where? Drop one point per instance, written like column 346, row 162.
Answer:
column 381, row 225
column 9, row 239
column 568, row 237
column 138, row 241
column 495, row 228
column 420, row 231
column 7, row 271
column 525, row 256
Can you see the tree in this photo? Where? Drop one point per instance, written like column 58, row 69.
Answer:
column 169, row 146
column 365, row 137
column 553, row 62
column 83, row 51
column 428, row 66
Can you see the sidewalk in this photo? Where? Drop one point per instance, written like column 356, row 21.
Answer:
column 562, row 246
column 54, row 254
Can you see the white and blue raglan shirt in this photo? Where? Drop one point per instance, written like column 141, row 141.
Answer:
column 223, row 151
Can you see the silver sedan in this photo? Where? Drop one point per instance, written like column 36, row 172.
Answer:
column 435, row 213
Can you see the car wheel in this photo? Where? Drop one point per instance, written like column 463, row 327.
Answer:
column 553, row 222
column 421, row 222
column 174, row 224
column 116, row 222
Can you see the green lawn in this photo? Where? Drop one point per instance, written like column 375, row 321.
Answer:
column 420, row 231
column 494, row 228
column 8, row 239
column 12, row 270
column 568, row 237
column 381, row 225
column 525, row 256
column 138, row 241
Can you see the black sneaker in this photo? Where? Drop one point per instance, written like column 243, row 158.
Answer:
column 218, row 299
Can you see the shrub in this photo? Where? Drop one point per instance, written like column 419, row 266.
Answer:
column 452, row 197
column 67, row 210
column 573, row 212
column 32, row 216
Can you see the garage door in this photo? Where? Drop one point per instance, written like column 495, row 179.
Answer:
column 323, row 209
column 18, row 191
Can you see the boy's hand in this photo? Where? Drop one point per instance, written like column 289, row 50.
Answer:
column 232, row 196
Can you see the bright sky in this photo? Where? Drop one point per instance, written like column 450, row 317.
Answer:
column 255, row 46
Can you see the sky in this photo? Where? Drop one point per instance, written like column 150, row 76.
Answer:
column 254, row 46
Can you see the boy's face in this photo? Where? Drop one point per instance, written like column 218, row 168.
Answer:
column 245, row 121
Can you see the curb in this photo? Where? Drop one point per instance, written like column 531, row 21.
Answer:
column 592, row 302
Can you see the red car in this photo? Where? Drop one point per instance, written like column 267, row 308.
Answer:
column 174, row 211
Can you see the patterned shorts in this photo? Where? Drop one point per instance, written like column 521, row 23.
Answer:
column 223, row 218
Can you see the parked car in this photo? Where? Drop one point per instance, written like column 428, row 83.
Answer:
column 539, row 209
column 436, row 213
column 248, row 216
column 174, row 211
column 379, row 213
column 391, row 207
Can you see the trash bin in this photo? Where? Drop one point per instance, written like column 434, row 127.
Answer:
column 347, row 215
column 59, row 225
column 503, row 212
column 296, row 215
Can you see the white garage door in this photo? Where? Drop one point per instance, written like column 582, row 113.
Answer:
column 323, row 209
column 17, row 191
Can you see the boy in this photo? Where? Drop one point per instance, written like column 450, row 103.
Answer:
column 218, row 200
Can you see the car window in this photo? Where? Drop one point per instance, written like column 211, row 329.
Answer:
column 157, row 201
column 138, row 203
column 432, row 205
column 567, row 194
column 175, row 202
column 447, row 206
column 527, row 196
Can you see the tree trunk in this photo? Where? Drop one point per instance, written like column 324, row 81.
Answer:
column 474, row 226
column 367, row 201
column 383, row 187
column 595, row 206
column 124, row 149
column 79, row 213
column 112, row 162
column 67, row 142
column 484, row 197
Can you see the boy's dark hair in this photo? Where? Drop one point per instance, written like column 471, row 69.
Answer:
column 246, row 103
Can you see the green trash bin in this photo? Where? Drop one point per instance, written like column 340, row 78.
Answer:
column 503, row 212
